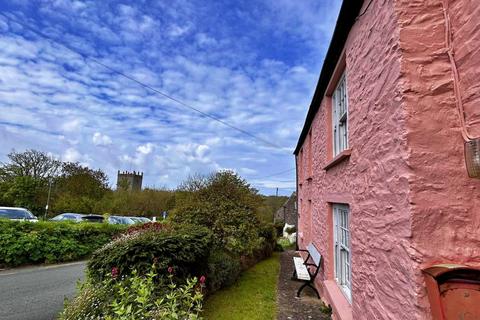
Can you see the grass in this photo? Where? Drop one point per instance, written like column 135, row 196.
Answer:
column 285, row 244
column 252, row 297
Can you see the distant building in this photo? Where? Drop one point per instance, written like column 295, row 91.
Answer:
column 287, row 213
column 131, row 181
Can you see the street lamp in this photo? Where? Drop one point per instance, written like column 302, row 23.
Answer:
column 48, row 198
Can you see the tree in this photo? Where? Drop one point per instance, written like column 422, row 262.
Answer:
column 226, row 204
column 22, row 191
column 79, row 188
column 30, row 163
column 82, row 181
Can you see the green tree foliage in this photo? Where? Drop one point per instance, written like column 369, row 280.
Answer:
column 224, row 203
column 22, row 191
column 147, row 203
column 30, row 163
column 79, row 188
column 270, row 205
column 24, row 179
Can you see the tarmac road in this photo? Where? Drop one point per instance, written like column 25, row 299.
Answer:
column 37, row 293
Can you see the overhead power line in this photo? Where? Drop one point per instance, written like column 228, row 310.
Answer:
column 274, row 174
column 188, row 106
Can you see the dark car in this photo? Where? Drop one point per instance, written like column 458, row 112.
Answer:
column 93, row 218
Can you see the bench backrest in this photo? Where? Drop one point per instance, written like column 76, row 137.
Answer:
column 314, row 254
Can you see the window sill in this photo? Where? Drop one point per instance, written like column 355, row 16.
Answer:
column 342, row 156
column 342, row 308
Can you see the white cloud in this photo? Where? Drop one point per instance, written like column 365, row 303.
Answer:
column 101, row 139
column 73, row 155
column 145, row 149
column 178, row 31
column 55, row 100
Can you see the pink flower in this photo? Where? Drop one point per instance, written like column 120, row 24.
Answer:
column 170, row 270
column 115, row 272
column 203, row 279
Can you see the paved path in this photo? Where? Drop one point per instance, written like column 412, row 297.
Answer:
column 289, row 306
column 37, row 293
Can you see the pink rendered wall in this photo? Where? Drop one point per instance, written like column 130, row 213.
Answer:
column 445, row 203
column 374, row 181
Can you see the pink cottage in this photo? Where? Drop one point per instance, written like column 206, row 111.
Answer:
column 383, row 189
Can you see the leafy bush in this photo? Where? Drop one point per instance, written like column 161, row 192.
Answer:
column 223, row 270
column 49, row 242
column 137, row 296
column 186, row 248
column 227, row 205
column 279, row 227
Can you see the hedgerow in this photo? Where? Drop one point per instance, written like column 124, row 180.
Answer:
column 50, row 242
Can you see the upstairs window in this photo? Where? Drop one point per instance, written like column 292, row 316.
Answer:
column 340, row 116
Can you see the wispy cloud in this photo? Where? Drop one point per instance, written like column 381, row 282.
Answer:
column 254, row 66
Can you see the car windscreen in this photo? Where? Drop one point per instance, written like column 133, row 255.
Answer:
column 92, row 219
column 16, row 214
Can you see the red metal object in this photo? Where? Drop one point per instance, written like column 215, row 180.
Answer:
column 453, row 291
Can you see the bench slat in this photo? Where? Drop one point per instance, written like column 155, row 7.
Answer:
column 314, row 254
column 301, row 269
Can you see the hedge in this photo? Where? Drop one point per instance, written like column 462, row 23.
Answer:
column 50, row 242
column 190, row 250
column 185, row 250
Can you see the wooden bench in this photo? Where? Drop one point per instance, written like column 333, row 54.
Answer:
column 303, row 268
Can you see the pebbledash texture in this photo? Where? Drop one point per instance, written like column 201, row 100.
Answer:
column 383, row 192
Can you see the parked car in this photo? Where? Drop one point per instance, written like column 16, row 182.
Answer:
column 120, row 220
column 69, row 216
column 140, row 219
column 19, row 214
column 93, row 218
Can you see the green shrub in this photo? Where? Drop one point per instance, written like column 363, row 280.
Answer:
column 137, row 296
column 279, row 227
column 285, row 244
column 223, row 270
column 49, row 242
column 268, row 232
column 185, row 248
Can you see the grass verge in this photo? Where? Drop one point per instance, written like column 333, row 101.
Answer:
column 252, row 297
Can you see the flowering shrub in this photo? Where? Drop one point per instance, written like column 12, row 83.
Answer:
column 147, row 296
column 147, row 227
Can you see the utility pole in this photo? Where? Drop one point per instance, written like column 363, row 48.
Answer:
column 276, row 193
column 48, row 198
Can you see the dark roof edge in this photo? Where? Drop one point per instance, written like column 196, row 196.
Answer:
column 346, row 19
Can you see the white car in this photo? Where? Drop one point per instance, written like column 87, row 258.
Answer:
column 18, row 214
column 69, row 216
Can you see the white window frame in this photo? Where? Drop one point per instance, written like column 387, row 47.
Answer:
column 342, row 248
column 340, row 116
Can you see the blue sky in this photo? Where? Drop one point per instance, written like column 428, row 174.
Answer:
column 253, row 64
